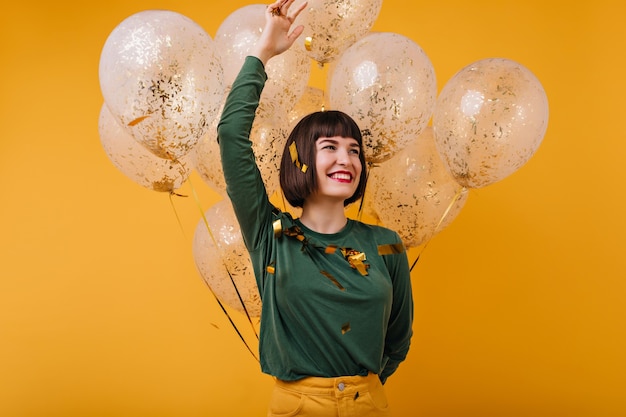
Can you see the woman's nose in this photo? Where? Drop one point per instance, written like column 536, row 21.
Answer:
column 343, row 158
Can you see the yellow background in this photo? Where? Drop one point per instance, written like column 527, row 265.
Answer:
column 520, row 303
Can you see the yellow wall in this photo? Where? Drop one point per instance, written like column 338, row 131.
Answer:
column 520, row 303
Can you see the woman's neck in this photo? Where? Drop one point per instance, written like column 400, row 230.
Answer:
column 323, row 218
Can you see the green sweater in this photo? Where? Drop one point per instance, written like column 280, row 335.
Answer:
column 321, row 316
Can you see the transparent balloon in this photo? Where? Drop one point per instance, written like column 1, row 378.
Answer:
column 288, row 73
column 312, row 100
column 136, row 162
column 489, row 120
column 207, row 159
column 387, row 83
column 162, row 80
column 268, row 137
column 223, row 262
column 414, row 194
column 331, row 27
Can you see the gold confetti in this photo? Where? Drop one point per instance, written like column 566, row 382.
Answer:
column 330, row 249
column 278, row 228
column 356, row 260
column 137, row 120
column 333, row 280
column 345, row 328
column 293, row 151
column 270, row 269
column 307, row 43
column 296, row 232
column 393, row 249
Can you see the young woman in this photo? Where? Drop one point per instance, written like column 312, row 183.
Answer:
column 337, row 304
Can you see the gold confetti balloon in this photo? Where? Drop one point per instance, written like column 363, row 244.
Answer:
column 268, row 137
column 136, row 162
column 162, row 80
column 387, row 83
column 331, row 26
column 288, row 73
column 413, row 192
column 222, row 260
column 312, row 100
column 207, row 160
column 489, row 120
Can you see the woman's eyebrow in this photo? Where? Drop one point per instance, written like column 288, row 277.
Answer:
column 326, row 141
column 353, row 143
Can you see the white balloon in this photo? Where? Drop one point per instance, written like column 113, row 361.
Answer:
column 136, row 162
column 161, row 78
column 207, row 159
column 413, row 192
column 489, row 120
column 331, row 27
column 288, row 73
column 387, row 83
column 268, row 137
column 223, row 262
column 312, row 100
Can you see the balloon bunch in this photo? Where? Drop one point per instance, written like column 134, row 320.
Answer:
column 164, row 80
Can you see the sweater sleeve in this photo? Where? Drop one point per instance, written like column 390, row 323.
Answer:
column 400, row 327
column 244, row 183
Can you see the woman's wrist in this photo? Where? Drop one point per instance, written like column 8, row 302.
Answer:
column 262, row 54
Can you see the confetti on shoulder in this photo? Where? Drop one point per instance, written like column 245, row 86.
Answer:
column 392, row 249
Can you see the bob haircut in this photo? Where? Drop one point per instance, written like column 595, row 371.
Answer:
column 298, row 185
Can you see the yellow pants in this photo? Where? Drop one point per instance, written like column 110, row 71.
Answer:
column 346, row 396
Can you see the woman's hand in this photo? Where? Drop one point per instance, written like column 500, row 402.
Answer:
column 276, row 37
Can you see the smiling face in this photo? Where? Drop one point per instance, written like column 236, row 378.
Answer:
column 338, row 167
column 318, row 142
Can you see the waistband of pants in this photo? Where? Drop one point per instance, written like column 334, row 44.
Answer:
column 341, row 385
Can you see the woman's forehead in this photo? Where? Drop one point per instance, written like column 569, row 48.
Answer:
column 338, row 139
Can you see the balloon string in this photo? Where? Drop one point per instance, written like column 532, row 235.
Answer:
column 416, row 259
column 362, row 202
column 232, row 280
column 180, row 224
column 443, row 216
column 282, row 198
column 231, row 321
column 210, row 289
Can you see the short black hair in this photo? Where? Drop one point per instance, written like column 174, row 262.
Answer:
column 298, row 185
